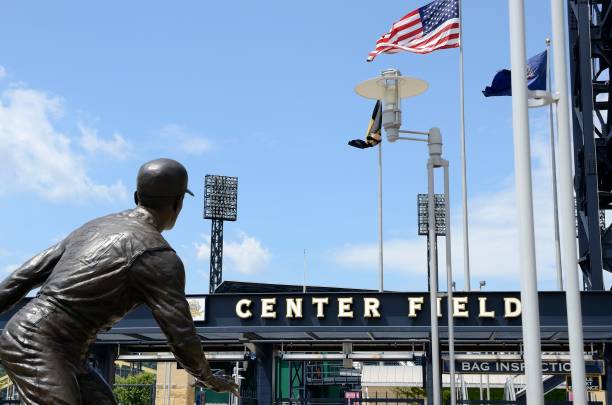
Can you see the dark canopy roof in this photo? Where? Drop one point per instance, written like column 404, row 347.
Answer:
column 242, row 287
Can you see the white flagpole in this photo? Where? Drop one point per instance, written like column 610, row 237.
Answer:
column 554, row 173
column 524, row 206
column 566, row 213
column 380, row 220
column 466, row 242
column 304, row 289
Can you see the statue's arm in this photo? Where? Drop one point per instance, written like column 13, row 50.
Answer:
column 159, row 278
column 29, row 275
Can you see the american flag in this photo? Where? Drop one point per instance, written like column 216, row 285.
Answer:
column 433, row 26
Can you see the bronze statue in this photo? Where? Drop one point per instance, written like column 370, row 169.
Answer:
column 89, row 281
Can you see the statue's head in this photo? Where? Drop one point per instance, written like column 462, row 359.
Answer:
column 161, row 185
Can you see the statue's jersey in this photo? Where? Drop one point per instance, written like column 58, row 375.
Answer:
column 88, row 282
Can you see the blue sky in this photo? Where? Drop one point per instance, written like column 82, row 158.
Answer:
column 262, row 91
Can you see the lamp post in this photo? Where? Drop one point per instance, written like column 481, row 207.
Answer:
column 391, row 87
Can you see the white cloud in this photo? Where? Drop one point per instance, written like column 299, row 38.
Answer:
column 247, row 255
column 118, row 147
column 203, row 249
column 184, row 140
column 35, row 157
column 399, row 255
column 2, row 71
column 493, row 235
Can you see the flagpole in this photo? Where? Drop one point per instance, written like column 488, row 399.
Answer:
column 380, row 220
column 524, row 207
column 554, row 173
column 304, row 289
column 466, row 242
column 567, row 214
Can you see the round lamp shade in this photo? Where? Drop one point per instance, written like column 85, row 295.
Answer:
column 375, row 88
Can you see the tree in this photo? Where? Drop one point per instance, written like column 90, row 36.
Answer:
column 139, row 393
column 409, row 392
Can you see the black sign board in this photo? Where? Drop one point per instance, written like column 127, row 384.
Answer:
column 362, row 315
column 593, row 382
column 518, row 366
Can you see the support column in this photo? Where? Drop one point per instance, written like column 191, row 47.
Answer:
column 428, row 374
column 103, row 357
column 265, row 365
column 607, row 378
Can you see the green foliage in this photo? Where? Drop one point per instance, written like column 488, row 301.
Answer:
column 135, row 395
column 409, row 392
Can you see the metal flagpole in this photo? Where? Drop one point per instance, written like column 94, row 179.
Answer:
column 380, row 220
column 566, row 213
column 524, row 198
column 304, row 289
column 554, row 173
column 449, row 285
column 466, row 241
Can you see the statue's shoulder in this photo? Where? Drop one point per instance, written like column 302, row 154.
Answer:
column 130, row 229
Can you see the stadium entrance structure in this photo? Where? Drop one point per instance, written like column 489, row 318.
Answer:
column 298, row 346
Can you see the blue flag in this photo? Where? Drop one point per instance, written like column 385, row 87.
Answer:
column 536, row 78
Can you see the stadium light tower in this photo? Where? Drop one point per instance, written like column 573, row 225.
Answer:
column 220, row 204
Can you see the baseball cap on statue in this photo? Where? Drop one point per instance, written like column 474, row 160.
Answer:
column 162, row 178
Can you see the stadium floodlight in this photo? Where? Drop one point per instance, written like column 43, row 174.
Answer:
column 391, row 87
column 220, row 204
column 423, row 214
column 220, row 197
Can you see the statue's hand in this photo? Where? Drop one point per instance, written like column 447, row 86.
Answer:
column 219, row 384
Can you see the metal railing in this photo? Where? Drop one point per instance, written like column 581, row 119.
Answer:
column 326, row 373
column 351, row 401
column 506, row 402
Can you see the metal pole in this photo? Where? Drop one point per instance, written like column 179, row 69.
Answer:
column 466, row 240
column 554, row 173
column 168, row 380
column 304, row 289
column 433, row 284
column 569, row 256
column 237, row 380
column 449, row 285
column 522, row 163
column 380, row 219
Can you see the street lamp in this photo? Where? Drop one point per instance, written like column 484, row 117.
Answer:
column 391, row 87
